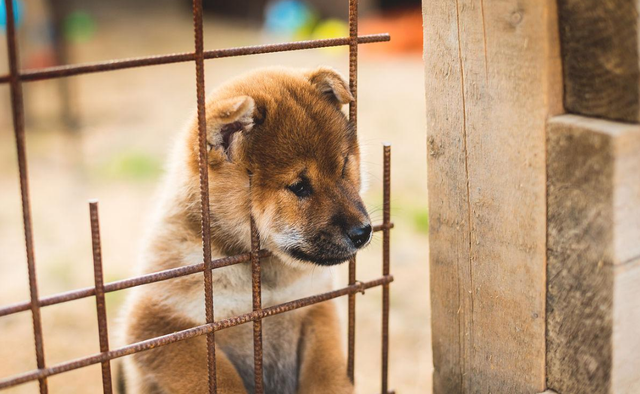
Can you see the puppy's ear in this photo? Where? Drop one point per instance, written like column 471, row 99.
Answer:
column 331, row 84
column 228, row 121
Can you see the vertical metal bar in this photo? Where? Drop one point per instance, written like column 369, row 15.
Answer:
column 204, row 190
column 256, row 282
column 101, row 306
column 386, row 221
column 17, row 109
column 353, row 117
column 353, row 60
column 351, row 322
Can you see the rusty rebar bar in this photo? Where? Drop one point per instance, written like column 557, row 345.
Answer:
column 190, row 333
column 203, row 165
column 351, row 323
column 140, row 280
column 17, row 108
column 131, row 282
column 113, row 65
column 353, row 118
column 386, row 221
column 16, row 77
column 256, row 287
column 353, row 60
column 101, row 305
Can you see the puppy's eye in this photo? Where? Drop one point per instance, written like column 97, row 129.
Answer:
column 301, row 188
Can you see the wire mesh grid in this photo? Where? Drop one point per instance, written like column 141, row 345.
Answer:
column 16, row 77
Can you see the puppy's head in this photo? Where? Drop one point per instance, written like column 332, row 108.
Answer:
column 286, row 130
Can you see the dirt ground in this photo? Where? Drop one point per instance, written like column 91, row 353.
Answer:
column 128, row 120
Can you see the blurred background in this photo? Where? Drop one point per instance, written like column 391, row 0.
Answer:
column 106, row 136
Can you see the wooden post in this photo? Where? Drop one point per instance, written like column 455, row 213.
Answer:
column 600, row 58
column 493, row 77
column 593, row 299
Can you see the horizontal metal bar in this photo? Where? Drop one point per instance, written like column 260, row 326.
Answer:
column 382, row 226
column 71, row 70
column 140, row 280
column 131, row 282
column 191, row 333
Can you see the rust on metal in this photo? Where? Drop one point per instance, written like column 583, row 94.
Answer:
column 351, row 322
column 353, row 118
column 386, row 221
column 132, row 282
column 256, row 288
column 17, row 110
column 16, row 77
column 203, row 165
column 101, row 305
column 353, row 61
column 189, row 333
column 113, row 65
column 143, row 280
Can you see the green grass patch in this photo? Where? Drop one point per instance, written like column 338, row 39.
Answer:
column 421, row 220
column 132, row 166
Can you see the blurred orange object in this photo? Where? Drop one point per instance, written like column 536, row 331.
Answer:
column 44, row 57
column 404, row 26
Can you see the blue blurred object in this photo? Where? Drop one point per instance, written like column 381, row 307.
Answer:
column 18, row 9
column 287, row 16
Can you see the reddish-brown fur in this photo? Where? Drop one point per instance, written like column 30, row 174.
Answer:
column 282, row 128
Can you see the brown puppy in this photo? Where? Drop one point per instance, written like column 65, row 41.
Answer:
column 284, row 128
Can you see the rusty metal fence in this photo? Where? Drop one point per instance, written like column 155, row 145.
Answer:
column 16, row 77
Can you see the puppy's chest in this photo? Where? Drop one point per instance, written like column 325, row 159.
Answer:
column 280, row 338
column 281, row 333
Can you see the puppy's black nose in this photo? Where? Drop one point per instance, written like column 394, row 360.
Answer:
column 359, row 235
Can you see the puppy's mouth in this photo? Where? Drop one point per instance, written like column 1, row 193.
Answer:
column 324, row 248
column 319, row 259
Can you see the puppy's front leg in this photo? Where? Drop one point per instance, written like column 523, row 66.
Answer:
column 322, row 365
column 180, row 367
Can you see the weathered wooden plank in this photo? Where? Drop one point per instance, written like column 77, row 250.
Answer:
column 600, row 57
column 492, row 79
column 625, row 374
column 593, row 298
